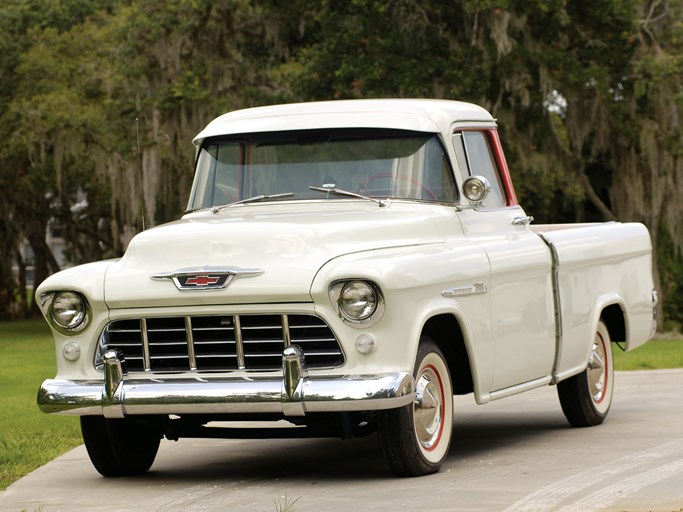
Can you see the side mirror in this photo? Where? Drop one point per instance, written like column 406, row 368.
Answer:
column 476, row 189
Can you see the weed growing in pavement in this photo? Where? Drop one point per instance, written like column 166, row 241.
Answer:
column 285, row 504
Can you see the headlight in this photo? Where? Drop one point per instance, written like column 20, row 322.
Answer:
column 69, row 311
column 357, row 302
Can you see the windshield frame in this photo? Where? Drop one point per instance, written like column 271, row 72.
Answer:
column 387, row 140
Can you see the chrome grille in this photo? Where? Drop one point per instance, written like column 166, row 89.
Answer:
column 220, row 343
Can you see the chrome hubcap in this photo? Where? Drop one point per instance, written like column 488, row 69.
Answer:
column 597, row 370
column 428, row 409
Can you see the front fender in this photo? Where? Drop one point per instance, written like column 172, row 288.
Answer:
column 88, row 280
column 412, row 280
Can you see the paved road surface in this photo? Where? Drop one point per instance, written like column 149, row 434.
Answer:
column 514, row 455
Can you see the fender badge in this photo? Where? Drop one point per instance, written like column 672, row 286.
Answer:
column 206, row 278
column 475, row 289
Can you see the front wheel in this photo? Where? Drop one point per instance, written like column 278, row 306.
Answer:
column 586, row 398
column 120, row 447
column 416, row 437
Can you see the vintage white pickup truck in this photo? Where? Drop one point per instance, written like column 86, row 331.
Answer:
column 343, row 268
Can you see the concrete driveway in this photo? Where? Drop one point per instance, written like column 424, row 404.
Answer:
column 514, row 455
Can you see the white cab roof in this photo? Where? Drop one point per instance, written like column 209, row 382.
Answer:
column 435, row 116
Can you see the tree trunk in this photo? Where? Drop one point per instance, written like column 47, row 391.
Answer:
column 45, row 263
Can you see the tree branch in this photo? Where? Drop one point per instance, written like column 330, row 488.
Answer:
column 595, row 200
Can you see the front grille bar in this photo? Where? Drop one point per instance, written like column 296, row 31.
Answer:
column 146, row 358
column 239, row 343
column 285, row 331
column 190, row 343
column 220, row 343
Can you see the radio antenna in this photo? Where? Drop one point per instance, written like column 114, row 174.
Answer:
column 142, row 190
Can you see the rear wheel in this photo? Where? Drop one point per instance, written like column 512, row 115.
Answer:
column 416, row 437
column 587, row 397
column 120, row 447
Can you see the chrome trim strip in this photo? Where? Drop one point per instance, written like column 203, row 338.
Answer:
column 230, row 395
column 475, row 289
column 520, row 388
column 557, row 305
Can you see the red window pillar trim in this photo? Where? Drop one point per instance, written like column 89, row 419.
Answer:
column 503, row 167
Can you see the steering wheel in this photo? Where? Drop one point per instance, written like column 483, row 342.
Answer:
column 364, row 188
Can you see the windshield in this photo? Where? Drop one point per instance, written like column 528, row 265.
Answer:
column 374, row 163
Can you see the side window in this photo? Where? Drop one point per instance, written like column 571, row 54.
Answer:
column 473, row 151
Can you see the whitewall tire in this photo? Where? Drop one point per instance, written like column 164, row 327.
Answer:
column 586, row 398
column 416, row 437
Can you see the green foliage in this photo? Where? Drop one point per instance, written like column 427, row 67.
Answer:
column 670, row 263
column 354, row 54
column 78, row 78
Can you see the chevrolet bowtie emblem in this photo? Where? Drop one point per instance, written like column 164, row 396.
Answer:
column 206, row 278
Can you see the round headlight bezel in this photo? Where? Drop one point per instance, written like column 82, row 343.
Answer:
column 68, row 311
column 358, row 302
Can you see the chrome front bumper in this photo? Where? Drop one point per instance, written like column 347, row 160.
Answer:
column 296, row 394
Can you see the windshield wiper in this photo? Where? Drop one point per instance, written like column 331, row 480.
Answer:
column 342, row 192
column 254, row 199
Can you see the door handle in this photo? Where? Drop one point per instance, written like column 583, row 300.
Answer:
column 522, row 221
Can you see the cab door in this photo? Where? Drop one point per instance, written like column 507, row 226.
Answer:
column 522, row 310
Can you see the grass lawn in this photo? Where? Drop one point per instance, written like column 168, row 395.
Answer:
column 30, row 438
column 665, row 351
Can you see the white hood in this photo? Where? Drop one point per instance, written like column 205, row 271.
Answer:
column 288, row 246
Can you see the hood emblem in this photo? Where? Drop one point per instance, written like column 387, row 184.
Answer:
column 206, row 278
